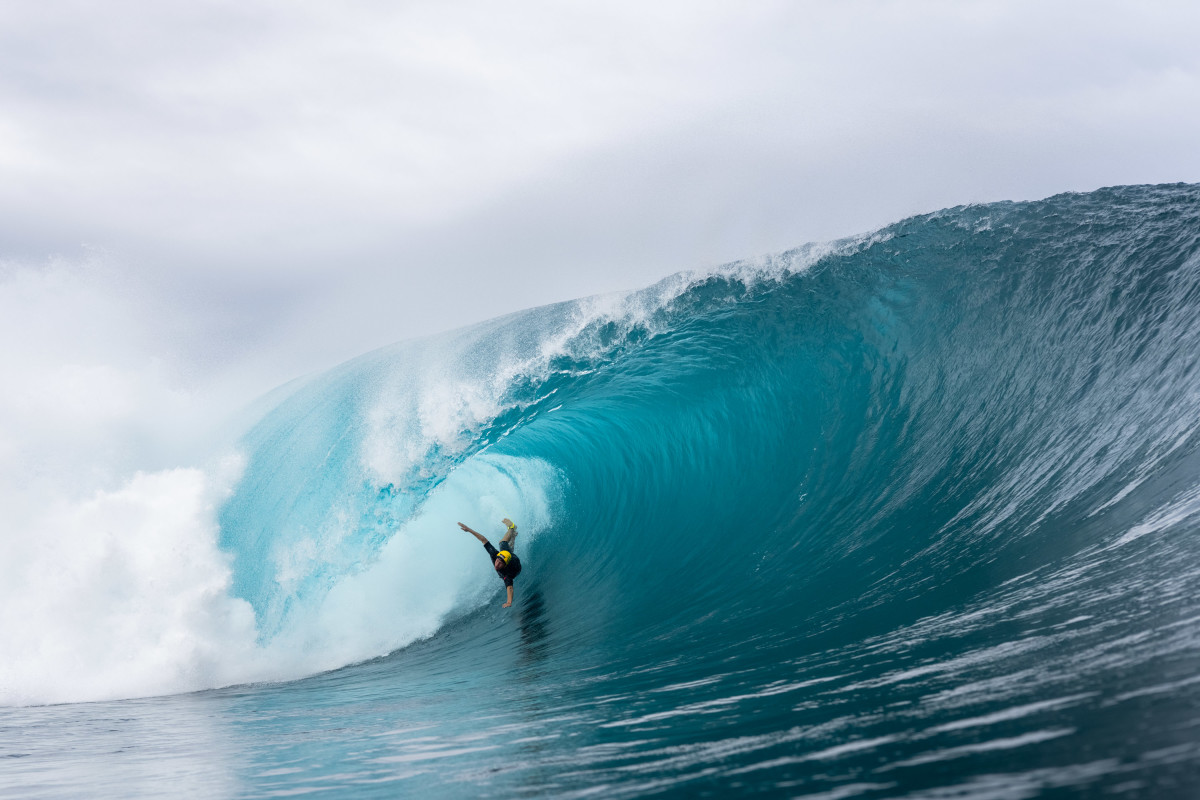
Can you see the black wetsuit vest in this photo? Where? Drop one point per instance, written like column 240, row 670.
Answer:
column 511, row 570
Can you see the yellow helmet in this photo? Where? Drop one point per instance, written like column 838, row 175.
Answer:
column 505, row 555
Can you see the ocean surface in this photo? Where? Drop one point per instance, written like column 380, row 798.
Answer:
column 910, row 515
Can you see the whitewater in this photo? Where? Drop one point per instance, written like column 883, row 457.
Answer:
column 912, row 514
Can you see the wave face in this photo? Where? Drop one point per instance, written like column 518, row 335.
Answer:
column 914, row 514
column 919, row 508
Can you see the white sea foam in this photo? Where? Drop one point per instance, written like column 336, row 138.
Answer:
column 124, row 593
column 127, row 594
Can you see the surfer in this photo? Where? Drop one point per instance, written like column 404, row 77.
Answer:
column 507, row 565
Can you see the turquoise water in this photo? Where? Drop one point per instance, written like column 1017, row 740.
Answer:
column 912, row 515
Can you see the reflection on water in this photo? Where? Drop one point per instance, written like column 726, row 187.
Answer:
column 531, row 616
column 183, row 746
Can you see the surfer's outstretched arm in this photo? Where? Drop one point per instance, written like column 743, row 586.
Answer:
column 509, row 603
column 476, row 534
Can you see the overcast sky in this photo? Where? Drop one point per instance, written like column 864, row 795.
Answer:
column 292, row 183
